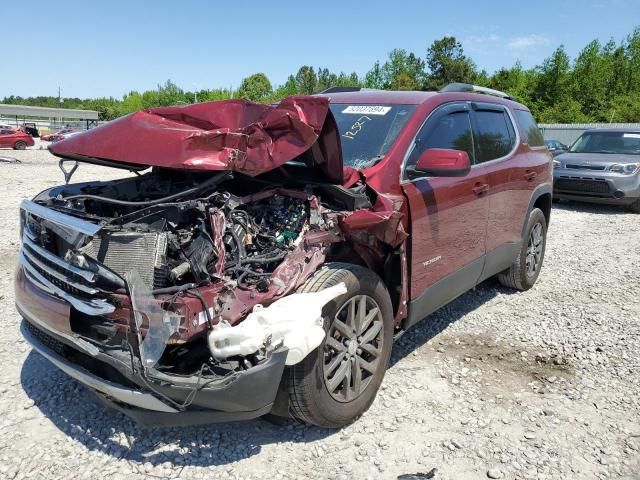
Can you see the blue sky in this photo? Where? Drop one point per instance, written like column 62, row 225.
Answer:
column 106, row 48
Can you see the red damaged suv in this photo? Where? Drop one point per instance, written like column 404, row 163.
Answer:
column 265, row 257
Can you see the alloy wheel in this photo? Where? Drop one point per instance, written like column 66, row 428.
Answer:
column 534, row 250
column 353, row 348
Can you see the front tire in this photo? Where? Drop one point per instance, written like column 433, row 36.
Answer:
column 339, row 380
column 20, row 145
column 524, row 272
column 635, row 206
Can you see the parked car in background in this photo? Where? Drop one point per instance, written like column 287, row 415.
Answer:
column 223, row 285
column 59, row 135
column 15, row 139
column 30, row 128
column 602, row 166
column 59, row 138
column 556, row 147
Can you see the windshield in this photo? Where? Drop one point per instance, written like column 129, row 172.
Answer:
column 607, row 142
column 368, row 131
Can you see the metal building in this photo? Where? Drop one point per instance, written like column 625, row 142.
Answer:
column 54, row 116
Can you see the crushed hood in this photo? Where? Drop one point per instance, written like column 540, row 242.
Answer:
column 238, row 135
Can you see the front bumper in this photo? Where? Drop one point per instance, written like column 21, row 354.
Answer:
column 595, row 186
column 240, row 395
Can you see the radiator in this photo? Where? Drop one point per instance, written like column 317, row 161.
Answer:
column 124, row 252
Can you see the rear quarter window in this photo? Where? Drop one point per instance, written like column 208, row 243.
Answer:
column 532, row 134
column 495, row 135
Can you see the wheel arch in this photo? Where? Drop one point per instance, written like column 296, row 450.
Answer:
column 542, row 199
column 390, row 267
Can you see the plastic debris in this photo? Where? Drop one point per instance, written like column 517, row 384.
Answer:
column 295, row 320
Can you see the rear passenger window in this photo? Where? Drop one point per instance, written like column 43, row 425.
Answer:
column 452, row 131
column 495, row 137
column 532, row 134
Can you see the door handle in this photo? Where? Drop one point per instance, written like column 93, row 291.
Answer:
column 480, row 188
column 530, row 175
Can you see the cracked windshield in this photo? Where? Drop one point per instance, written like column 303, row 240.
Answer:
column 368, row 131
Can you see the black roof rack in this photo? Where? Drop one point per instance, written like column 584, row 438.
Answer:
column 467, row 87
column 341, row 89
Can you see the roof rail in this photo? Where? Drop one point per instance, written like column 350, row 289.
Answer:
column 466, row 87
column 341, row 89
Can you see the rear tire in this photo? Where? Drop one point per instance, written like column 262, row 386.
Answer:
column 335, row 383
column 20, row 145
column 524, row 272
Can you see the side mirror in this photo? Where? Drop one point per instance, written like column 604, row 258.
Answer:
column 441, row 162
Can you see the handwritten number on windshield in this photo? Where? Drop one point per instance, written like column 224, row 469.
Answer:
column 356, row 127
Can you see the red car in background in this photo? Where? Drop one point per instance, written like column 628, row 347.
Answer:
column 57, row 136
column 15, row 139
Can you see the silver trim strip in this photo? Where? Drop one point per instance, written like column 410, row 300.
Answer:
column 93, row 307
column 73, row 223
column 88, row 276
column 122, row 394
column 29, row 257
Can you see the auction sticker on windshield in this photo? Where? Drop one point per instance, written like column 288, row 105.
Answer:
column 367, row 109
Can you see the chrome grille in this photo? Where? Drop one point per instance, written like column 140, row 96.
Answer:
column 55, row 275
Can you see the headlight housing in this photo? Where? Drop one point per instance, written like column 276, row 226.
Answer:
column 556, row 164
column 625, row 168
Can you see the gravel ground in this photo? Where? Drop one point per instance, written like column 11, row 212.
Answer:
column 542, row 384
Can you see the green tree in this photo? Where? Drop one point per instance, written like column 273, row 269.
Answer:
column 326, row 79
column 403, row 71
column 256, row 87
column 552, row 82
column 132, row 102
column 306, row 80
column 374, row 77
column 448, row 64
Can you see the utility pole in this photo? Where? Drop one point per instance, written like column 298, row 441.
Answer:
column 59, row 97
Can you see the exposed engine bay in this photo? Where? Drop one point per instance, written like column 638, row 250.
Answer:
column 175, row 255
column 185, row 231
column 186, row 285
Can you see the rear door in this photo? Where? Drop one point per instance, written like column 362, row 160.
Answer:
column 448, row 216
column 6, row 138
column 511, row 174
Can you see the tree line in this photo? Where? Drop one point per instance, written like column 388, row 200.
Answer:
column 602, row 84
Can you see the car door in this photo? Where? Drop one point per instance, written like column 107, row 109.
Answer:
column 6, row 138
column 448, row 216
column 511, row 174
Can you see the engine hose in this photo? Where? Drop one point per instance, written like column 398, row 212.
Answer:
column 209, row 183
column 241, row 251
column 260, row 259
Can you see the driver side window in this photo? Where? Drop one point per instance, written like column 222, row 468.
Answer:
column 450, row 131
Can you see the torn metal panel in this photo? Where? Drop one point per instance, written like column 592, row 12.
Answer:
column 216, row 217
column 385, row 226
column 237, row 135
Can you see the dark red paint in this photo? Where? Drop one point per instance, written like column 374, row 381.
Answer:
column 239, row 135
column 436, row 225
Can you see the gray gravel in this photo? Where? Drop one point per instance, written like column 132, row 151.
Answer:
column 542, row 384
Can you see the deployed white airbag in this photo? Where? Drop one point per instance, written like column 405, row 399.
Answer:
column 296, row 320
